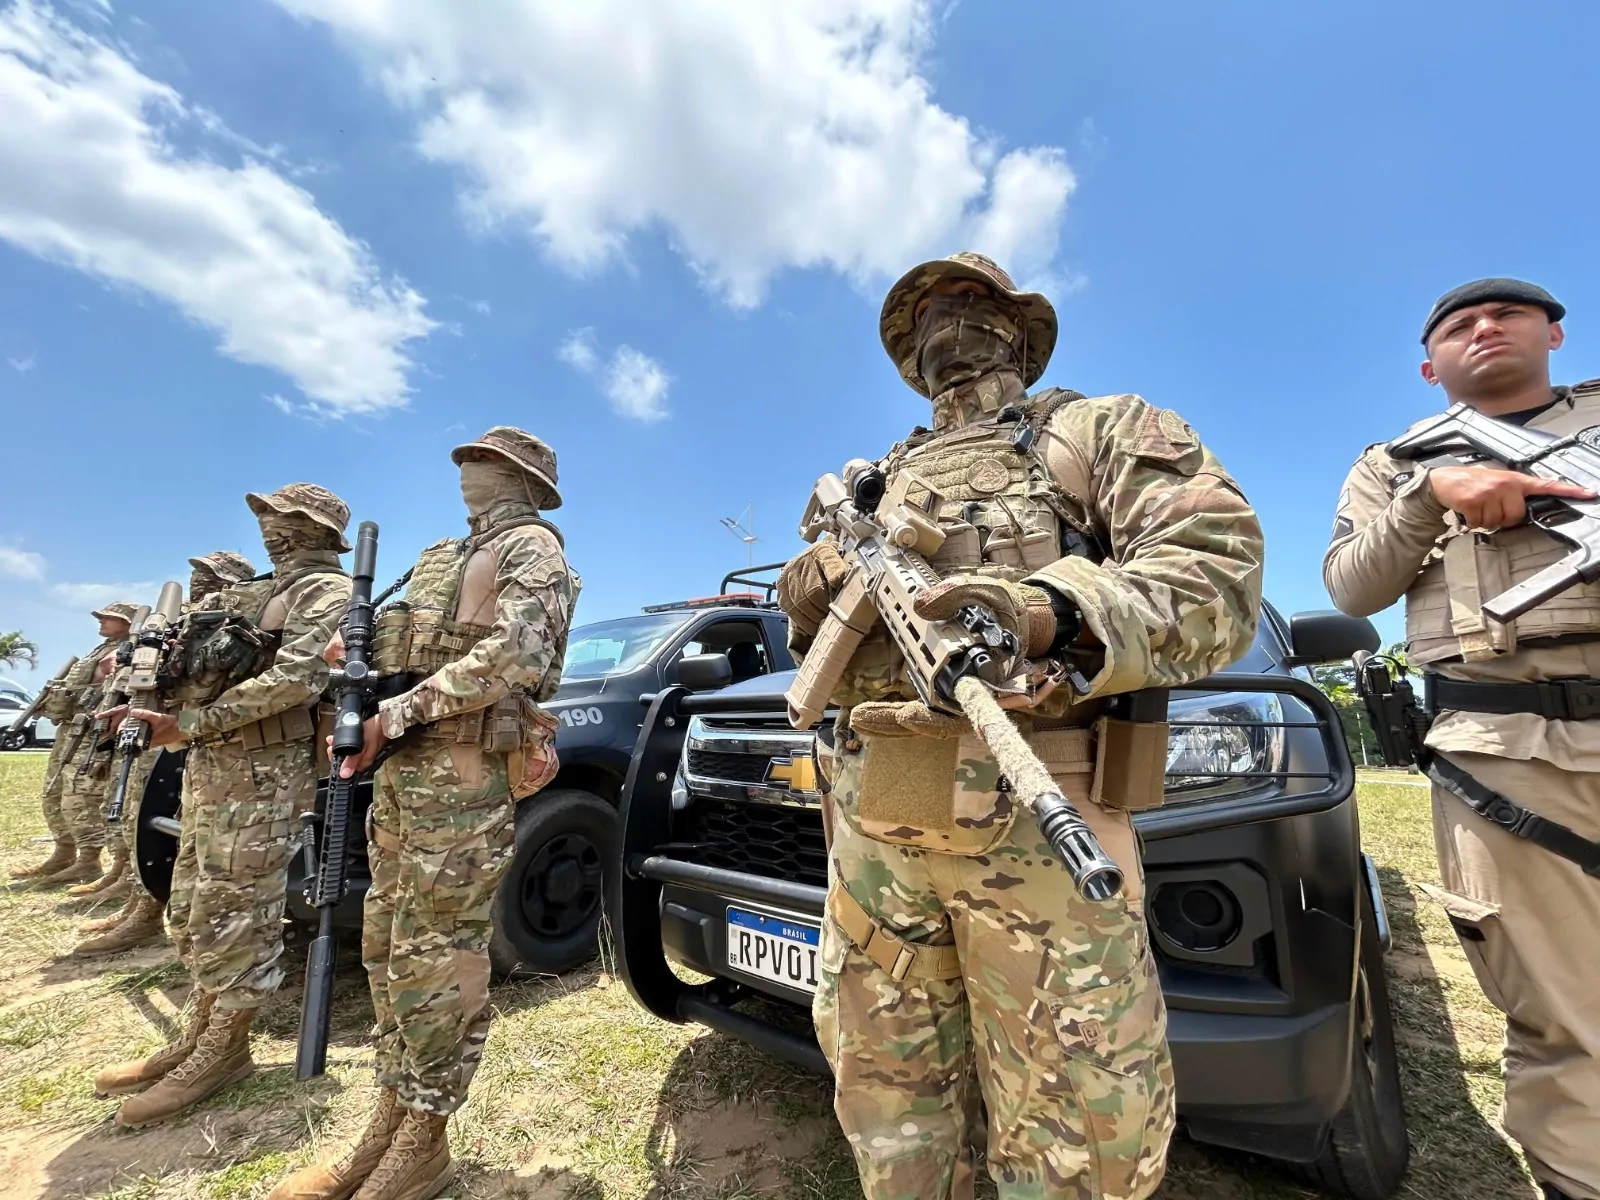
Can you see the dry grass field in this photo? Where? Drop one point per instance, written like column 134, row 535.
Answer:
column 582, row 1096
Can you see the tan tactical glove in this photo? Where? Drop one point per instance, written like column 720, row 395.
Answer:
column 1019, row 607
column 808, row 584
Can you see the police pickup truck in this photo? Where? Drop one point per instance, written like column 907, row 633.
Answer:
column 1265, row 917
column 547, row 913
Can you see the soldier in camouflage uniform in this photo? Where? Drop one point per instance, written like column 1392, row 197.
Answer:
column 140, row 918
column 1122, row 556
column 71, row 704
column 248, row 700
column 473, row 649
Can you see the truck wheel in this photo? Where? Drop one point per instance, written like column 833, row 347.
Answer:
column 547, row 911
column 1367, row 1150
column 14, row 740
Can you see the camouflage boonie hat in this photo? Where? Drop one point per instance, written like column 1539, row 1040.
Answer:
column 225, row 565
column 520, row 449
column 897, row 324
column 318, row 503
column 119, row 610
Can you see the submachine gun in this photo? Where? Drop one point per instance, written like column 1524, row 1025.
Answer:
column 954, row 664
column 32, row 710
column 1467, row 436
column 150, row 650
column 352, row 688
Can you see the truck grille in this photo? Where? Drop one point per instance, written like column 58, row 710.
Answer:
column 773, row 841
column 732, row 768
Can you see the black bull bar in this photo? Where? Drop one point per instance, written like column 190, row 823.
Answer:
column 633, row 894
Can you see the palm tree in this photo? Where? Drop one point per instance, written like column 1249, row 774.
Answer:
column 16, row 650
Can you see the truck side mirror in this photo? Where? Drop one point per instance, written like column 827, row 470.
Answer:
column 1326, row 636
column 704, row 672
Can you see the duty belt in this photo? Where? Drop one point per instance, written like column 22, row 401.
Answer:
column 1574, row 699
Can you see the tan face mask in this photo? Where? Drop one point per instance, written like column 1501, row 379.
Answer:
column 284, row 534
column 202, row 584
column 964, row 336
column 486, row 484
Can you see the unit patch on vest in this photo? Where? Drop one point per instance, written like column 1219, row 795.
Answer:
column 988, row 475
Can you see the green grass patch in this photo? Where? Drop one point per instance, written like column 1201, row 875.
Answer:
column 245, row 1178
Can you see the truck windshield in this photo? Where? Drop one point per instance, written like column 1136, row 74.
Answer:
column 611, row 647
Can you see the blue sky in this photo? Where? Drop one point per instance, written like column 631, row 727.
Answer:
column 324, row 240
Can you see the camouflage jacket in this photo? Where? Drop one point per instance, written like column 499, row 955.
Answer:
column 78, row 691
column 1178, row 592
column 316, row 604
column 535, row 594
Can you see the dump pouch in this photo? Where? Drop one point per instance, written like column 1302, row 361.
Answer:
column 1130, row 756
column 533, row 763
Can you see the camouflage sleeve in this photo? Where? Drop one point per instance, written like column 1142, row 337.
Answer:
column 1179, row 595
column 1382, row 535
column 67, row 697
column 297, row 675
column 535, row 595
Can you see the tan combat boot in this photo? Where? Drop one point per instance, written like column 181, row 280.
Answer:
column 116, row 918
column 139, row 1074
column 115, row 874
column 339, row 1179
column 220, row 1057
column 60, row 859
column 416, row 1166
column 142, row 925
column 85, row 866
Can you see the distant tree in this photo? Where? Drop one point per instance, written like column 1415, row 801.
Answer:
column 1338, row 683
column 16, row 650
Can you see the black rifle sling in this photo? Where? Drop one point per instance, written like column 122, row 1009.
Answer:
column 1513, row 817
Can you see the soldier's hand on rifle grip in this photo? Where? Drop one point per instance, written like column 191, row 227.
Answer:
column 1490, row 498
column 333, row 653
column 809, row 583
column 163, row 726
column 373, row 739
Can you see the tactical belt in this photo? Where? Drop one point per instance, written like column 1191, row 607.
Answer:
column 1555, row 700
column 291, row 725
column 1511, row 816
column 902, row 960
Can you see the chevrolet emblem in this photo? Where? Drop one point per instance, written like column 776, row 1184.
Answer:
column 798, row 773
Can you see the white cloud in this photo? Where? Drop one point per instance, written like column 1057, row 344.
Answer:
column 758, row 136
column 282, row 405
column 579, row 351
column 636, row 385
column 90, row 177
column 481, row 307
column 96, row 595
column 23, row 365
column 21, row 564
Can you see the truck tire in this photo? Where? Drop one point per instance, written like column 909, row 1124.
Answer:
column 547, row 910
column 1368, row 1149
column 20, row 739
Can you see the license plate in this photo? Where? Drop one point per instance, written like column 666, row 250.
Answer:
column 780, row 949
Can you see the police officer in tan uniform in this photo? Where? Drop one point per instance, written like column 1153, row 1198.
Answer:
column 1447, row 538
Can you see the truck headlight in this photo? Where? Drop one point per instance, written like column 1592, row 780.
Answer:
column 1217, row 737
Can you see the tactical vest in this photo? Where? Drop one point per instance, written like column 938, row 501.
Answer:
column 81, row 692
column 1444, row 617
column 418, row 634
column 223, row 643
column 1001, row 512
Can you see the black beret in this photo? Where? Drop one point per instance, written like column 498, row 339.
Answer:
column 1481, row 291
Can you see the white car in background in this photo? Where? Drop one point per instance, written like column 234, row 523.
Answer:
column 41, row 731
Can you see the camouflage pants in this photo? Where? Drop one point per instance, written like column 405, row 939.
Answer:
column 127, row 828
column 442, row 834
column 240, row 830
column 50, row 799
column 1057, row 1006
column 82, row 795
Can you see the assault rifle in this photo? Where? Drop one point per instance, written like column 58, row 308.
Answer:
column 32, row 710
column 114, row 695
column 152, row 646
column 1467, row 436
column 955, row 665
column 353, row 686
